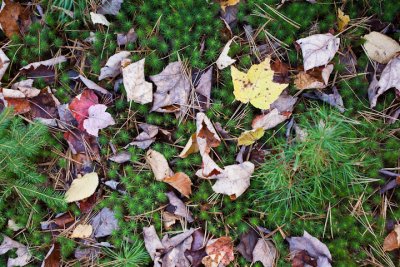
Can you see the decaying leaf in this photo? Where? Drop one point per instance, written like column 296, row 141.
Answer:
column 235, row 180
column 203, row 89
column 342, row 20
column 53, row 256
column 104, row 223
column 136, row 87
column 23, row 254
column 99, row 19
column 173, row 88
column 80, row 105
column 4, row 62
column 219, row 251
column 152, row 242
column 380, row 47
column 190, row 147
column 250, row 137
column 121, row 157
column 315, row 248
column 97, row 119
column 113, row 65
column 334, row 99
column 247, row 244
column 147, row 137
column 390, row 77
column 43, row 64
column 176, row 255
column 224, row 60
column 318, row 49
column 25, row 87
column 264, row 252
column 129, row 37
column 14, row 18
column 110, row 7
column 181, row 182
column 316, row 78
column 82, row 231
column 169, row 219
column 281, row 70
column 197, row 250
column 92, row 85
column 256, row 86
column 179, row 208
column 82, row 187
column 11, row 224
column 392, row 240
column 158, row 164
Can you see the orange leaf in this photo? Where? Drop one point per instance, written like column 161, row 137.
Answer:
column 181, row 182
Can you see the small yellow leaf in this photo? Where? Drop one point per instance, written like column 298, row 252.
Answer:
column 82, row 187
column 249, row 137
column 256, row 86
column 190, row 147
column 82, row 231
column 226, row 3
column 343, row 20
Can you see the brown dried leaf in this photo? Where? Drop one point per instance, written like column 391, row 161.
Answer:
column 14, row 18
column 53, row 257
column 219, row 251
column 181, row 182
column 316, row 78
column 392, row 240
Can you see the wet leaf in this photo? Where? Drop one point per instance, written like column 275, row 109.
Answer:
column 129, row 37
column 318, row 49
column 256, row 86
column 226, row 3
column 82, row 187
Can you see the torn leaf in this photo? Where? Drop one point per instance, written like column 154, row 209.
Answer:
column 99, row 19
column 23, row 254
column 224, row 60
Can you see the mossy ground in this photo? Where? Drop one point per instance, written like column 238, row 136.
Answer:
column 350, row 222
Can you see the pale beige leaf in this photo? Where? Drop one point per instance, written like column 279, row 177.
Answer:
column 264, row 252
column 4, row 62
column 159, row 165
column 11, row 224
column 136, row 87
column 23, row 254
column 82, row 231
column 26, row 87
column 82, row 187
column 380, row 47
column 10, row 93
column 236, row 180
column 318, row 49
column 113, row 66
column 47, row 63
column 99, row 19
column 224, row 60
column 190, row 147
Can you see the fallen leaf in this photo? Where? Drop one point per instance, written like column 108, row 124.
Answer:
column 317, row 78
column 197, row 250
column 92, row 85
column 207, row 136
column 129, row 37
column 219, row 251
column 392, row 240
column 11, row 93
column 235, row 180
column 190, row 147
column 229, row 15
column 53, row 256
column 159, row 165
column 281, row 70
column 14, row 18
column 181, row 182
column 4, row 62
column 176, row 256
column 152, row 242
column 43, row 64
column 64, row 219
column 11, row 224
column 313, row 246
column 173, row 88
column 19, row 105
column 98, row 119
column 203, row 89
column 99, row 19
column 147, row 137
column 80, row 105
column 114, row 185
column 264, row 252
column 226, row 3
column 82, row 187
column 224, row 60
column 86, row 205
column 179, row 208
column 23, row 254
column 44, row 107
column 136, row 87
column 334, row 99
column 247, row 138
column 256, row 86
column 380, row 47
column 104, row 223
column 342, row 20
column 113, row 65
column 169, row 219
column 110, row 7
column 302, row 259
column 390, row 77
column 170, row 242
column 82, row 231
column 318, row 49
column 247, row 244
column 121, row 157
column 26, row 88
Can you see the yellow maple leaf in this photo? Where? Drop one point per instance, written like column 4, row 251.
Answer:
column 225, row 3
column 256, row 86
column 249, row 137
column 343, row 20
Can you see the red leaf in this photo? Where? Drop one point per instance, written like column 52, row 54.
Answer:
column 80, row 106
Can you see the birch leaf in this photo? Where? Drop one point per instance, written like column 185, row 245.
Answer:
column 236, row 180
column 158, row 164
column 82, row 231
column 99, row 19
column 136, row 87
column 98, row 119
column 224, row 60
column 82, row 187
column 380, row 47
column 249, row 137
column 257, row 85
column 113, row 66
column 342, row 20
column 318, row 49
